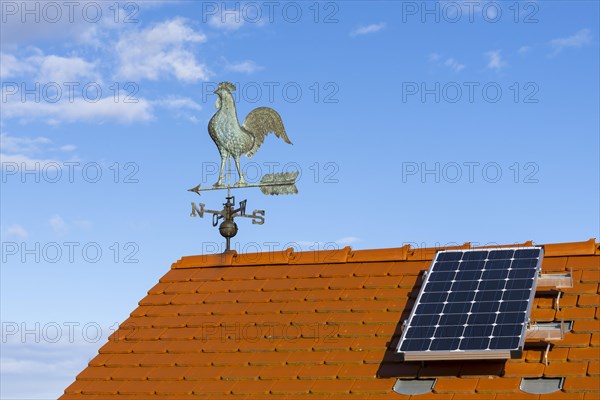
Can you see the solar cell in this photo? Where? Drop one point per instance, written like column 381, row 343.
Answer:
column 473, row 304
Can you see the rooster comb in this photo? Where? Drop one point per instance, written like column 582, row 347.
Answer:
column 230, row 87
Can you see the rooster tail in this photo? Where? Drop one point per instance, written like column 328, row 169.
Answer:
column 259, row 123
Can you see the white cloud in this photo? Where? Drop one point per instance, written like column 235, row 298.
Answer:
column 434, row 57
column 173, row 31
column 178, row 103
column 450, row 62
column 18, row 153
column 11, row 163
column 68, row 148
column 247, row 67
column 24, row 162
column 454, row 65
column 14, row 144
column 104, row 110
column 16, row 231
column 366, row 29
column 495, row 60
column 72, row 23
column 53, row 68
column 182, row 107
column 229, row 21
column 161, row 50
column 48, row 68
column 11, row 66
column 524, row 49
column 165, row 49
column 58, row 225
column 579, row 39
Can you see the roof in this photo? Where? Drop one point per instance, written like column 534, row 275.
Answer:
column 325, row 324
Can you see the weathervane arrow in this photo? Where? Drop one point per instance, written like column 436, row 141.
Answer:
column 271, row 184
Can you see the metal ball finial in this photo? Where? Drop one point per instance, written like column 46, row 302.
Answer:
column 228, row 229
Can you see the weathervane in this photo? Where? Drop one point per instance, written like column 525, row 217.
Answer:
column 234, row 140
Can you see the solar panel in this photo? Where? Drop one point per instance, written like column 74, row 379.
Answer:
column 474, row 304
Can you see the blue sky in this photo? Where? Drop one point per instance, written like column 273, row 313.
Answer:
column 412, row 122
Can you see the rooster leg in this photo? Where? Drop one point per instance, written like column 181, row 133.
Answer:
column 241, row 182
column 221, row 174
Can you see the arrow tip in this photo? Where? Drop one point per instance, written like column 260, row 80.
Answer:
column 195, row 189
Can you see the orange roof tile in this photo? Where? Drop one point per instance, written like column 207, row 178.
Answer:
column 325, row 325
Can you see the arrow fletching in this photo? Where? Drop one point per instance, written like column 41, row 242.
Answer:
column 279, row 184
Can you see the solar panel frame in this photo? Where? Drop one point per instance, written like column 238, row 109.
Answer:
column 500, row 353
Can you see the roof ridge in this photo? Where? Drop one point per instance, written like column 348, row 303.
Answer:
column 587, row 248
column 346, row 254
